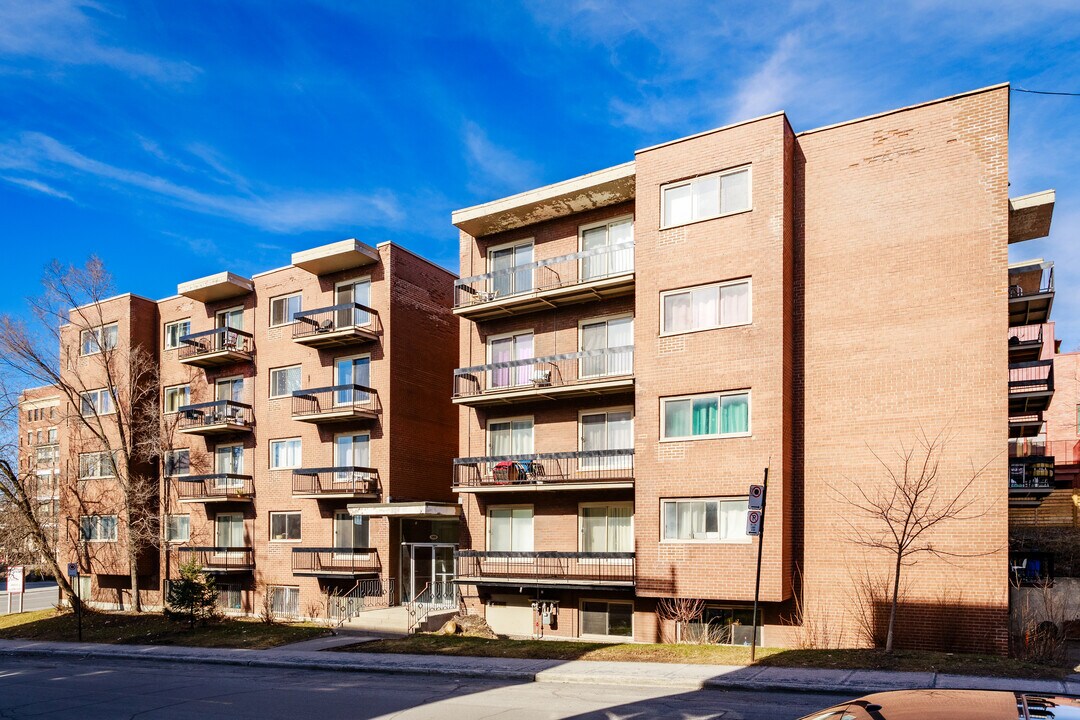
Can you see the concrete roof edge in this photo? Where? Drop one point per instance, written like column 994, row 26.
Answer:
column 121, row 296
column 703, row 133
column 418, row 256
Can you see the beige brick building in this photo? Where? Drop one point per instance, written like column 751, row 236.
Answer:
column 639, row 344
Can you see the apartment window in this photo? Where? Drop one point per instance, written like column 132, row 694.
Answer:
column 229, row 460
column 97, row 528
column 229, row 530
column 229, row 596
column 176, row 397
column 285, row 453
column 510, row 437
column 96, row 465
column 705, row 416
column 606, row 430
column 706, row 307
column 350, row 533
column 52, row 435
column 285, row 601
column 352, row 451
column 609, row 619
column 231, row 318
column 285, row 526
column 510, row 528
column 283, row 309
column 174, row 331
column 283, row 381
column 96, row 402
column 508, row 348
column 608, row 248
column 100, row 338
column 48, row 456
column 606, row 527
column 705, row 520
column 511, row 269
column 609, row 344
column 177, row 528
column 177, row 462
column 706, row 197
column 353, row 292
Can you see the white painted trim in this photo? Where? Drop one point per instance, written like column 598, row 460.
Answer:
column 743, row 540
column 270, row 319
column 270, row 526
column 270, row 454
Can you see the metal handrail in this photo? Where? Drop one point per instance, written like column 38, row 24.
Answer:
column 343, row 316
column 316, row 401
column 584, row 366
column 435, row 595
column 539, row 468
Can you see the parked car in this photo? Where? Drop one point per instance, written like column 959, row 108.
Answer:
column 954, row 705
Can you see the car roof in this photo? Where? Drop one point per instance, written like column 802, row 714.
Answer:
column 955, row 705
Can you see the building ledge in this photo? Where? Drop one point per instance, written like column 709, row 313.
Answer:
column 1030, row 216
column 342, row 255
column 222, row 286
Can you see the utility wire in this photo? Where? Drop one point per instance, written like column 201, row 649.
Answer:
column 1045, row 92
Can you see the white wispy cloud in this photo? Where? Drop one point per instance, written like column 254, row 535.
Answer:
column 274, row 211
column 37, row 186
column 494, row 169
column 772, row 86
column 66, row 32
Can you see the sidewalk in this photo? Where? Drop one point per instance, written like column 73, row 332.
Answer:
column 681, row 676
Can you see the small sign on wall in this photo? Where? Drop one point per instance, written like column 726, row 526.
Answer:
column 754, row 519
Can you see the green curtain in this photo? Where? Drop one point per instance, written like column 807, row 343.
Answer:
column 734, row 414
column 705, row 416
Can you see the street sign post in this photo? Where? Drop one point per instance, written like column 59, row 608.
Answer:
column 15, row 585
column 753, row 522
column 757, row 497
column 755, row 525
column 73, row 572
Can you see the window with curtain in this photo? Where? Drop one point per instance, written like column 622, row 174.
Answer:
column 706, row 520
column 706, row 416
column 510, row 437
column 608, row 430
column 607, row 335
column 706, row 197
column 607, row 528
column 512, row 269
column 229, row 462
column 510, row 529
column 285, row 453
column 702, row 308
column 174, row 331
column 610, row 249
column 285, row 526
column 283, row 381
column 176, row 398
column 508, row 349
column 283, row 309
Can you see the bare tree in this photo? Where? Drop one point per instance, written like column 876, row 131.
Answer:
column 65, row 345
column 902, row 513
column 680, row 611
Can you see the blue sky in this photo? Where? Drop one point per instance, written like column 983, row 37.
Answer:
column 178, row 139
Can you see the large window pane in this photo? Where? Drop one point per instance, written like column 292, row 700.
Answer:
column 499, row 529
column 735, row 191
column 620, row 619
column 678, row 316
column 705, row 312
column 735, row 414
column 735, row 304
column 705, row 416
column 706, row 198
column 522, row 530
column 678, row 205
column 594, row 618
column 677, row 418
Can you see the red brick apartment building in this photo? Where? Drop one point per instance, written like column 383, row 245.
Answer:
column 638, row 344
column 40, row 420
column 307, row 439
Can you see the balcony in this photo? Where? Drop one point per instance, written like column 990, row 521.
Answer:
column 217, row 347
column 1031, row 386
column 336, row 326
column 336, row 483
column 335, row 403
column 579, row 277
column 1031, row 478
column 555, row 569
column 219, row 559
column 1026, row 425
column 589, row 372
column 335, row 562
column 1025, row 343
column 582, row 470
column 218, row 487
column 219, row 417
column 1064, row 452
column 1031, row 293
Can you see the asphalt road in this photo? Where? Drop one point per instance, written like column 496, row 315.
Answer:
column 91, row 689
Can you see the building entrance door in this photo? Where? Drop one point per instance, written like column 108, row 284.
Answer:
column 428, row 566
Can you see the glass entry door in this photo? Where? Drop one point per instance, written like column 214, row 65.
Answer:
column 428, row 566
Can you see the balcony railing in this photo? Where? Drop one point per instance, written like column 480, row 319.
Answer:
column 335, row 561
column 219, row 558
column 578, row 268
column 335, row 481
column 213, row 347
column 341, row 324
column 335, row 402
column 1031, row 385
column 1031, row 294
column 215, row 487
column 557, row 469
column 545, row 568
column 1063, row 451
column 1025, row 343
column 215, row 417
column 538, row 375
column 1021, row 286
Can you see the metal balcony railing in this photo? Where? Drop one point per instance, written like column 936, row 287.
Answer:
column 557, row 272
column 215, row 413
column 343, row 480
column 335, row 400
column 335, row 561
column 1030, row 377
column 216, row 486
column 336, row 318
column 219, row 558
column 583, row 466
column 546, row 567
column 1063, row 451
column 578, row 368
column 1026, row 335
column 222, row 339
column 1020, row 287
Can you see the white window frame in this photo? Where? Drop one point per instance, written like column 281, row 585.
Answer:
column 743, row 539
column 98, row 333
column 513, row 384
column 96, row 396
column 748, row 281
column 719, row 188
column 287, row 590
column 167, row 527
column 297, row 539
column 97, row 526
column 487, row 430
column 609, row 602
column 720, row 436
column 230, row 482
column 166, row 462
column 299, row 453
column 230, row 379
column 165, row 333
column 581, row 341
column 285, row 298
column 582, row 464
column 357, row 281
column 503, row 246
column 487, row 527
column 165, row 398
column 220, row 314
column 582, row 229
column 605, row 504
column 285, row 368
column 99, row 453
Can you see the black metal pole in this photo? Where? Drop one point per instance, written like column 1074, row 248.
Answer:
column 757, row 580
column 78, row 608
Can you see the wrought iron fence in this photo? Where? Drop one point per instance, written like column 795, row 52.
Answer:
column 364, row 595
column 586, row 366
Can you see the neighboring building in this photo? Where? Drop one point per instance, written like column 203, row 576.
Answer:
column 40, row 420
column 639, row 344
column 307, row 432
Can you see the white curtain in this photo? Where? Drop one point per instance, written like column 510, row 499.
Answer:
column 735, row 192
column 705, row 313
column 678, row 205
column 706, row 198
column 734, row 304
column 620, row 533
column 677, row 313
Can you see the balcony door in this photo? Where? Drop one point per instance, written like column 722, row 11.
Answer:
column 510, row 437
column 351, row 450
column 228, row 461
column 350, row 534
column 604, row 261
column 512, row 269
column 229, row 389
column 353, row 292
column 606, row 430
column 348, row 372
column 602, row 335
column 229, row 532
column 606, row 527
column 508, row 349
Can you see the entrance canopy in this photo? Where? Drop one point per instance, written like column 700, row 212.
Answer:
column 428, row 510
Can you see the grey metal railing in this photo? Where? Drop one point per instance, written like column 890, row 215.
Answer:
column 216, row 486
column 546, row 566
column 334, row 399
column 586, row 366
column 540, row 468
column 335, row 560
column 340, row 480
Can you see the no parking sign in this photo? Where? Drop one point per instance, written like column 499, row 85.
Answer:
column 753, row 522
